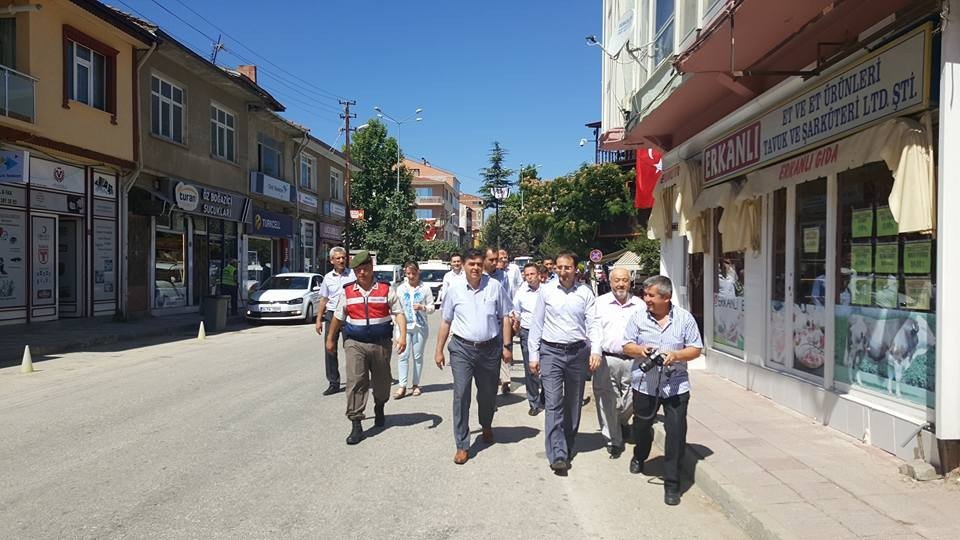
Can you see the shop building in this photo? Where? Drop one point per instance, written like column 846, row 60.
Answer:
column 325, row 205
column 801, row 213
column 59, row 252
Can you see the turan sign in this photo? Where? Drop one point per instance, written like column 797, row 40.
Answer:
column 893, row 81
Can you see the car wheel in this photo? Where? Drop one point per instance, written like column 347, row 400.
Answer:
column 308, row 316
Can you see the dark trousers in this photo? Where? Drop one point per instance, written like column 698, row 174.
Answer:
column 563, row 373
column 331, row 358
column 231, row 291
column 480, row 365
column 532, row 380
column 675, row 425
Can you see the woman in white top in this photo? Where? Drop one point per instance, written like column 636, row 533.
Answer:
column 417, row 301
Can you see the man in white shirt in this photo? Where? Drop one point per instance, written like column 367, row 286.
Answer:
column 523, row 303
column 612, row 380
column 565, row 335
column 330, row 291
column 513, row 272
column 454, row 275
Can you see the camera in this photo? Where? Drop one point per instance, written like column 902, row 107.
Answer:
column 652, row 360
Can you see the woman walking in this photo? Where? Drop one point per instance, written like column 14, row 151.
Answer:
column 417, row 301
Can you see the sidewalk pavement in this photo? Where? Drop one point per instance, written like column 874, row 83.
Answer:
column 782, row 475
column 66, row 335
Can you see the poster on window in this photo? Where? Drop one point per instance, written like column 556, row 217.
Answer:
column 809, row 331
column 43, row 230
column 728, row 320
column 779, row 350
column 104, row 259
column 13, row 282
column 889, row 351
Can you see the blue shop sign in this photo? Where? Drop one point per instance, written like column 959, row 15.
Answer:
column 270, row 224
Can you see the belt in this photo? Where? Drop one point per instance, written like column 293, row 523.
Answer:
column 565, row 346
column 477, row 344
column 620, row 356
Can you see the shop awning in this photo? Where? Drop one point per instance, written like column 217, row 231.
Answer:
column 903, row 144
column 747, row 49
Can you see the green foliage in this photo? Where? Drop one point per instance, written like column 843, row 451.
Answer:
column 511, row 226
column 397, row 238
column 648, row 251
column 495, row 176
column 438, row 249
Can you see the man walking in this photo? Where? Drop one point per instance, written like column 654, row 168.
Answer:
column 330, row 291
column 565, row 335
column 494, row 267
column 669, row 329
column 454, row 275
column 363, row 311
column 523, row 304
column 476, row 312
column 612, row 380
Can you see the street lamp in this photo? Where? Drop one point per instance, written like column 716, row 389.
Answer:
column 381, row 114
column 499, row 194
column 520, row 182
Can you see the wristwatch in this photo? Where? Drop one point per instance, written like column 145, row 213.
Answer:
column 508, row 345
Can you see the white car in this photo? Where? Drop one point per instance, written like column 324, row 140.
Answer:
column 288, row 296
column 391, row 274
column 431, row 275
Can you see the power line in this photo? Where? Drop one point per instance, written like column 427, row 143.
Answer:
column 331, row 95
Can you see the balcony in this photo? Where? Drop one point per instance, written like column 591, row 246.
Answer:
column 430, row 199
column 17, row 95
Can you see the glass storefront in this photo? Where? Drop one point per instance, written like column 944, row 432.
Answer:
column 308, row 239
column 810, row 277
column 885, row 316
column 170, row 274
column 260, row 260
column 728, row 302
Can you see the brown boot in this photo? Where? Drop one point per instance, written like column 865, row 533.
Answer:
column 460, row 457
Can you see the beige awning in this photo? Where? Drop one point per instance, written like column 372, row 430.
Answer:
column 901, row 143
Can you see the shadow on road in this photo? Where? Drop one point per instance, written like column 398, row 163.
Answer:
column 407, row 420
column 504, row 435
column 590, row 442
column 653, row 468
column 436, row 387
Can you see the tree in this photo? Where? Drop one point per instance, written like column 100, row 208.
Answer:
column 438, row 249
column 373, row 189
column 648, row 250
column 495, row 176
column 511, row 229
column 397, row 238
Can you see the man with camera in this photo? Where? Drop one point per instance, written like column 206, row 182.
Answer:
column 663, row 338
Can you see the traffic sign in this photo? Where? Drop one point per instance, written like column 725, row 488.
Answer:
column 596, row 255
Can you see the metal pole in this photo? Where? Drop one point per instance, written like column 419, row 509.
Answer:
column 346, row 184
column 398, row 156
column 498, row 223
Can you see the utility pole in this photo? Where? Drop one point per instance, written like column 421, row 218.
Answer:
column 346, row 184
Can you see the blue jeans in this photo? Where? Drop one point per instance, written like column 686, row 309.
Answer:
column 416, row 341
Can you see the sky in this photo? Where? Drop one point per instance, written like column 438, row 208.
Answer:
column 514, row 71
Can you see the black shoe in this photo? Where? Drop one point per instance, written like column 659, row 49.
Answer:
column 560, row 466
column 615, row 451
column 585, row 401
column 332, row 389
column 379, row 419
column 636, row 466
column 505, row 388
column 534, row 411
column 671, row 498
column 356, row 434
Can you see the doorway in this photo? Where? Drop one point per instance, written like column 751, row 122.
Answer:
column 70, row 257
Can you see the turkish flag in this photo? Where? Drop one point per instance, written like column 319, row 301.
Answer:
column 431, row 232
column 649, row 168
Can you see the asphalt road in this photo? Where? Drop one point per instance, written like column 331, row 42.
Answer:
column 231, row 438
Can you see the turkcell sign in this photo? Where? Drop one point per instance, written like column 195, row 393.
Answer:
column 893, row 81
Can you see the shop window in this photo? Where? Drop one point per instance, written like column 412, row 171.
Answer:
column 170, row 276
column 886, row 283
column 259, row 261
column 728, row 301
column 810, row 277
column 779, row 339
column 308, row 237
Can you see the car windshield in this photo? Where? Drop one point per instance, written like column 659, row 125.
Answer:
column 284, row 282
column 385, row 276
column 432, row 275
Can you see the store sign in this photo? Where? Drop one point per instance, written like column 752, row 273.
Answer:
column 356, row 213
column 209, row 202
column 44, row 260
column 333, row 208
column 333, row 232
column 13, row 276
column 308, row 200
column 893, row 81
column 12, row 164
column 58, row 176
column 63, row 203
column 271, row 224
column 104, row 185
column 12, row 196
column 271, row 187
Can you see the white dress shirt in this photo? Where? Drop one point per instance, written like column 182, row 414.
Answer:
column 449, row 279
column 476, row 314
column 564, row 315
column 524, row 302
column 332, row 286
column 613, row 319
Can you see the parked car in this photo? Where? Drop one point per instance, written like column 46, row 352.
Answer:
column 388, row 273
column 288, row 296
column 431, row 275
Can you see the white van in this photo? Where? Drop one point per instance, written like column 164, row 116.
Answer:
column 431, row 275
column 391, row 274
